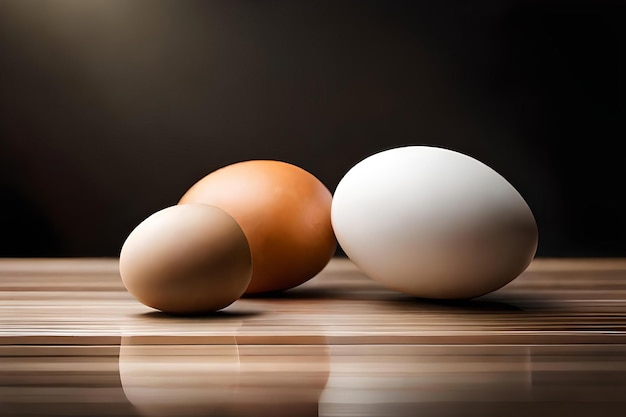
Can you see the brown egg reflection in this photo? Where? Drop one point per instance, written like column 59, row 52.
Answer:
column 282, row 380
column 216, row 376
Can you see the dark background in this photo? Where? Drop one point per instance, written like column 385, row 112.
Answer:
column 111, row 109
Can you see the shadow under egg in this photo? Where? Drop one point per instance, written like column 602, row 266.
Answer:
column 465, row 306
column 235, row 314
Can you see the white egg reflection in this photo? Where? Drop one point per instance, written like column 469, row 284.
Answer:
column 423, row 380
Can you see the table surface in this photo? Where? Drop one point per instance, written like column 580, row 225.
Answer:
column 74, row 342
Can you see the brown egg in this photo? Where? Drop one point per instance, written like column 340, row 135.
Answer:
column 284, row 212
column 186, row 259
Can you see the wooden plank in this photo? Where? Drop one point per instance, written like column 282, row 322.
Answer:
column 73, row 342
column 554, row 301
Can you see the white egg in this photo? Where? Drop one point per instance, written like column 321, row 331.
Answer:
column 433, row 223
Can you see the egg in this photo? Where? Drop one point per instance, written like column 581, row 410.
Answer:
column 433, row 223
column 284, row 212
column 186, row 259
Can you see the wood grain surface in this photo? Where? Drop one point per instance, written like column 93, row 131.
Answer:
column 74, row 342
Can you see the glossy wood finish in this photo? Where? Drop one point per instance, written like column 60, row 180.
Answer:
column 73, row 342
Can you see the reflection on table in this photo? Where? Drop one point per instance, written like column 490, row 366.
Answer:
column 74, row 343
column 217, row 377
column 148, row 376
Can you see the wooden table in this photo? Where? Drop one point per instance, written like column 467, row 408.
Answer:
column 73, row 342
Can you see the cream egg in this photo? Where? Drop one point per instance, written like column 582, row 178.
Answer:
column 433, row 223
column 190, row 258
